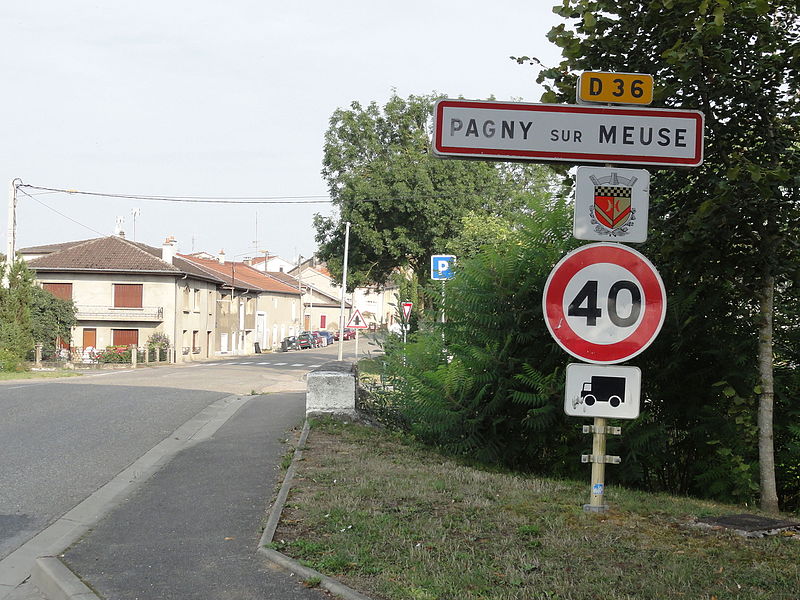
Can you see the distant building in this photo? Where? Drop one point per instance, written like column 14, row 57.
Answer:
column 270, row 263
column 125, row 291
column 376, row 303
column 254, row 308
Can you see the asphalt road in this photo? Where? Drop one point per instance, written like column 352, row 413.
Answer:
column 63, row 439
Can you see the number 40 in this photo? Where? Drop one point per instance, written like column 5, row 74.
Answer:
column 591, row 312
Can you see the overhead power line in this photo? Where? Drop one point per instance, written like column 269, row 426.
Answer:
column 59, row 212
column 191, row 199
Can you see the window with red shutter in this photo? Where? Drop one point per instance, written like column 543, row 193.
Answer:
column 125, row 337
column 128, row 295
column 59, row 290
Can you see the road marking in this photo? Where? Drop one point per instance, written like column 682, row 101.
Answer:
column 297, row 365
column 281, row 364
column 313, row 366
column 263, row 363
column 211, row 364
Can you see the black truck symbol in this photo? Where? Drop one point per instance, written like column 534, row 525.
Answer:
column 604, row 389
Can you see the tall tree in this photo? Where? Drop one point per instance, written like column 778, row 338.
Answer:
column 729, row 229
column 404, row 204
column 15, row 312
column 52, row 318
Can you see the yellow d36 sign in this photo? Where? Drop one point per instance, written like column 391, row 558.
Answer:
column 615, row 88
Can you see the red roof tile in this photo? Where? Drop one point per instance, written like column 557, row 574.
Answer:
column 110, row 254
column 103, row 254
column 241, row 275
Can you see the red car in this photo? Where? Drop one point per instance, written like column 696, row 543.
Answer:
column 349, row 334
column 305, row 340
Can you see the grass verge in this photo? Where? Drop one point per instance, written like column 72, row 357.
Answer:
column 12, row 376
column 397, row 521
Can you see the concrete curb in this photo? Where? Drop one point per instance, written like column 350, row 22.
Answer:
column 285, row 562
column 38, row 557
column 277, row 507
column 57, row 582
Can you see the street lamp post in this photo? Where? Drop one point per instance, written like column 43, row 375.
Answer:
column 11, row 239
column 344, row 288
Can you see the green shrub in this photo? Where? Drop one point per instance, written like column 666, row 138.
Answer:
column 9, row 361
column 489, row 382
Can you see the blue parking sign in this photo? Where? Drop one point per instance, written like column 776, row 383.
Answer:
column 442, row 266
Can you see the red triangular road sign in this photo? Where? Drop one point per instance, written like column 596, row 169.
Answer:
column 356, row 321
column 407, row 306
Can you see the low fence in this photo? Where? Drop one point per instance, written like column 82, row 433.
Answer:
column 77, row 357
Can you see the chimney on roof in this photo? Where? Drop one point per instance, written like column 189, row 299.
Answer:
column 168, row 250
column 119, row 230
column 221, row 257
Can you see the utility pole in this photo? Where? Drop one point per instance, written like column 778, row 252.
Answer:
column 11, row 236
column 344, row 288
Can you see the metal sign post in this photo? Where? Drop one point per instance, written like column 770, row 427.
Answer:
column 442, row 270
column 356, row 322
column 603, row 303
column 344, row 288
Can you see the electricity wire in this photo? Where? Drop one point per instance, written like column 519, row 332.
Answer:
column 190, row 199
column 59, row 212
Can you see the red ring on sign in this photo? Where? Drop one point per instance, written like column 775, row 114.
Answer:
column 653, row 304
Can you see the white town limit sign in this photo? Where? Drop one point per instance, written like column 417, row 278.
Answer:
column 567, row 133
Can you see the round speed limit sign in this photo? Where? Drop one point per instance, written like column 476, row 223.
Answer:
column 604, row 303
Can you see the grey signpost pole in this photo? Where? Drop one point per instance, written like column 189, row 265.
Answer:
column 596, row 499
column 344, row 289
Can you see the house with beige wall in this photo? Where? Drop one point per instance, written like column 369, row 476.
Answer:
column 126, row 291
column 255, row 308
column 377, row 304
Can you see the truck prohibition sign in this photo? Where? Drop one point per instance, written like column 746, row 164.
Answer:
column 604, row 303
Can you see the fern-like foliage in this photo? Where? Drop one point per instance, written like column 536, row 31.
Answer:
column 489, row 382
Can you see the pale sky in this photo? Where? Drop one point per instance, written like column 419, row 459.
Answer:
column 200, row 98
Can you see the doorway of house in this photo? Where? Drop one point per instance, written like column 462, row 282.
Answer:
column 90, row 337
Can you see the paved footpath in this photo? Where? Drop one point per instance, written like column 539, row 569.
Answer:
column 192, row 530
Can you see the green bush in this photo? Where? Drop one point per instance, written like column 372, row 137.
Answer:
column 489, row 382
column 10, row 362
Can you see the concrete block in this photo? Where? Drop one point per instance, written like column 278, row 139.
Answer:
column 331, row 389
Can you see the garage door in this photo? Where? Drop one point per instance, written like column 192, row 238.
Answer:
column 125, row 337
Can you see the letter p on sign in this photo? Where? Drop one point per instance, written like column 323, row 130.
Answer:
column 442, row 266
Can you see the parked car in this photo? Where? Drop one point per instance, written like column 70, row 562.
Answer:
column 316, row 340
column 349, row 334
column 289, row 343
column 305, row 340
column 327, row 336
